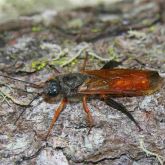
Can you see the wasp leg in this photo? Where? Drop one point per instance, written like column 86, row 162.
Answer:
column 111, row 64
column 56, row 115
column 122, row 109
column 85, row 62
column 89, row 116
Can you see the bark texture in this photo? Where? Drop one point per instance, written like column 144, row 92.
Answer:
column 133, row 33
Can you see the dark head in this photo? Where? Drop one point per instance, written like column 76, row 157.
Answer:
column 52, row 88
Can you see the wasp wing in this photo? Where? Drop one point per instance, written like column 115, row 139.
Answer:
column 121, row 82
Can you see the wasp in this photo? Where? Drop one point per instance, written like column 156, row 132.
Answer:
column 104, row 84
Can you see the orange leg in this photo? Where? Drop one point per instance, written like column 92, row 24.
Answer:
column 89, row 116
column 56, row 114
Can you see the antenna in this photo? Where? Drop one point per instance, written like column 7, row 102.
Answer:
column 34, row 85
column 35, row 97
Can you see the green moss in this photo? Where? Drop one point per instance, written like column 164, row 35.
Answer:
column 39, row 64
column 36, row 29
column 152, row 29
column 112, row 53
column 136, row 34
column 74, row 62
column 59, row 62
column 75, row 23
column 146, row 22
column 95, row 30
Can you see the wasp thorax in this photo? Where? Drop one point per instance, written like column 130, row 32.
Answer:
column 52, row 88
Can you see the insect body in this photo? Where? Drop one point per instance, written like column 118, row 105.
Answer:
column 103, row 84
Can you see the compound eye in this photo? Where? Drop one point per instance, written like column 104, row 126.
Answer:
column 52, row 89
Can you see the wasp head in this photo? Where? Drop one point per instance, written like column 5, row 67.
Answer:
column 52, row 88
